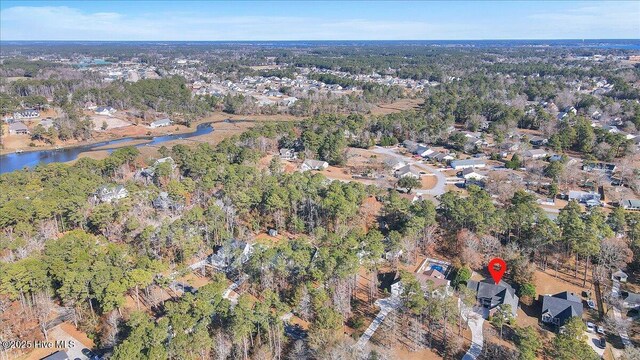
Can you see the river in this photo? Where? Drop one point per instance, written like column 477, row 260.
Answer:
column 29, row 159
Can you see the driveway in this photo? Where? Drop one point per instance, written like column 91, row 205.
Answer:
column 615, row 292
column 593, row 340
column 475, row 321
column 74, row 352
column 386, row 305
column 441, row 180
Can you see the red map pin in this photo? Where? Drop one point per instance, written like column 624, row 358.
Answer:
column 497, row 267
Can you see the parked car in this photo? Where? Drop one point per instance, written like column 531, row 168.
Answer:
column 591, row 303
column 603, row 343
column 591, row 327
column 600, row 330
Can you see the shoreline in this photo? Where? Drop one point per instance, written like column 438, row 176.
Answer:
column 98, row 140
column 213, row 118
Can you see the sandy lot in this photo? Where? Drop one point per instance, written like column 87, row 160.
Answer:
column 428, row 182
column 400, row 105
column 112, row 122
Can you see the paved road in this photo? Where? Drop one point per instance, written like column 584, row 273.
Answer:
column 386, row 305
column 438, row 189
column 474, row 320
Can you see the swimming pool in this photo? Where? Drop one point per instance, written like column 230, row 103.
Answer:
column 437, row 267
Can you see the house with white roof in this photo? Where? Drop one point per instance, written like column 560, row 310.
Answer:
column 468, row 163
column 105, row 110
column 536, row 153
column 310, row 164
column 160, row 123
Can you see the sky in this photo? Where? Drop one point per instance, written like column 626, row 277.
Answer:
column 317, row 20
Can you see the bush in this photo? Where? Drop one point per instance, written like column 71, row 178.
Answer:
column 463, row 274
column 527, row 293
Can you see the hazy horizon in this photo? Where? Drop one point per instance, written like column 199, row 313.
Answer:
column 317, row 21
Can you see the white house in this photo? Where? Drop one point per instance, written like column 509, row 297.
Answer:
column 108, row 193
column 472, row 174
column 631, row 204
column 288, row 154
column 407, row 171
column 26, row 114
column 160, row 123
column 313, row 165
column 535, row 153
column 288, row 101
column 468, row 163
column 105, row 110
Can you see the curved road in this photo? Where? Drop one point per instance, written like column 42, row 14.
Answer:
column 441, row 179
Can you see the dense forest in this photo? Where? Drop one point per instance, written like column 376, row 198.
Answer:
column 68, row 254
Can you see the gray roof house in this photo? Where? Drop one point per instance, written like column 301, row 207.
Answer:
column 491, row 295
column 313, row 165
column 410, row 145
column 630, row 204
column 407, row 170
column 18, row 128
column 558, row 308
column 108, row 193
column 288, row 154
column 105, row 110
column 629, row 299
column 535, row 153
column 422, row 150
column 232, row 252
column 588, row 198
column 164, row 202
column 394, row 163
column 538, row 140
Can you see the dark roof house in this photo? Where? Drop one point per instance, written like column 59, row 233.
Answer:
column 491, row 295
column 559, row 308
column 58, row 355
